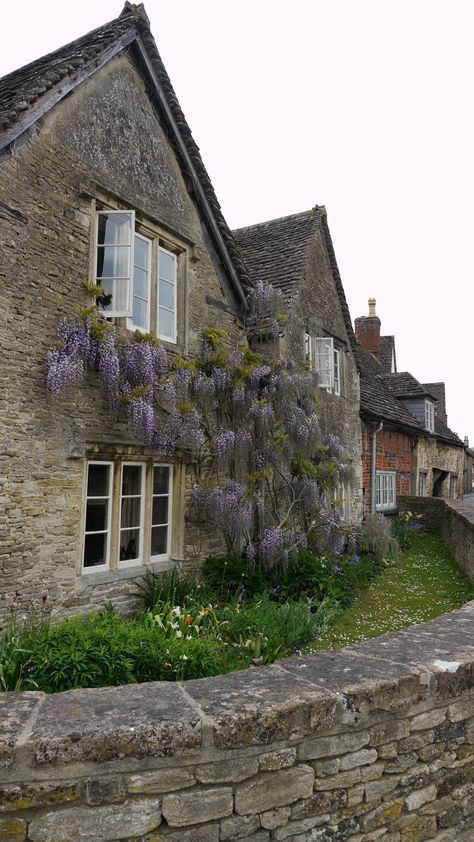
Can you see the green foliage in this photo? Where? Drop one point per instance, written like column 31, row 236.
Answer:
column 150, row 338
column 14, row 658
column 226, row 575
column 376, row 537
column 93, row 289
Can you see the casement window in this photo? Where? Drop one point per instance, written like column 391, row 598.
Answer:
column 385, row 490
column 139, row 269
column 453, row 481
column 341, row 499
column 422, row 478
column 429, row 416
column 98, row 515
column 328, row 362
column 337, row 371
column 132, row 507
column 128, row 514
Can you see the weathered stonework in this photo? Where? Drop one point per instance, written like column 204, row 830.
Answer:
column 154, row 762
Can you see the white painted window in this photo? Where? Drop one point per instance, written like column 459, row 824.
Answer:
column 385, row 490
column 141, row 285
column 132, row 508
column 453, row 480
column 161, row 511
column 167, row 283
column 308, row 348
column 98, row 516
column 114, row 259
column 429, row 416
column 422, row 476
column 337, row 371
column 341, row 499
column 325, row 361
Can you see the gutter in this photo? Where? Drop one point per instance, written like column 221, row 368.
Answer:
column 373, row 487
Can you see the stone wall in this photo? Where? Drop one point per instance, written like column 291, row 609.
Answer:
column 453, row 521
column 373, row 741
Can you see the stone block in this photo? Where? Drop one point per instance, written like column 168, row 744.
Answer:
column 104, row 791
column 372, row 773
column 41, row 794
column 274, row 789
column 102, row 824
column 226, row 771
column 197, row 805
column 387, row 751
column 388, row 732
column 238, row 827
column 161, row 781
column 12, row 830
column 364, row 757
column 311, row 749
column 400, row 763
column 275, row 818
column 421, row 796
column 428, row 719
column 14, row 718
column 415, row 741
column 326, row 768
column 461, row 710
column 296, row 827
column 201, row 833
column 424, row 827
column 340, row 781
column 274, row 760
column 376, row 790
column 319, row 803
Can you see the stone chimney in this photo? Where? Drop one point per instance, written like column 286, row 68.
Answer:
column 466, row 441
column 367, row 331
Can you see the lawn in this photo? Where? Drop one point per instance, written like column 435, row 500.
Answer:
column 423, row 584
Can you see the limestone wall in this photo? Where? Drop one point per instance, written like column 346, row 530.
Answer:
column 373, row 741
column 452, row 520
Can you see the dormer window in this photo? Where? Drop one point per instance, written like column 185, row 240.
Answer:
column 429, row 416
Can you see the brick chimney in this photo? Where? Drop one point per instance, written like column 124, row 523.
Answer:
column 367, row 331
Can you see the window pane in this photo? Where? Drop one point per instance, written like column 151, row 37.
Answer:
column 160, row 510
column 161, row 474
column 98, row 481
column 96, row 515
column 140, row 283
column 129, row 544
column 131, row 479
column 114, row 229
column 95, row 549
column 113, row 262
column 159, row 540
column 167, row 266
column 140, row 313
column 130, row 512
column 142, row 250
column 166, row 323
column 118, row 289
column 167, row 295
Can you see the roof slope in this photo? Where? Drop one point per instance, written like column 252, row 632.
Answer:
column 387, row 353
column 27, row 93
column 376, row 400
column 403, row 385
column 277, row 251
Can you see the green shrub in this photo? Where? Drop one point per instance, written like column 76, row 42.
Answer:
column 375, row 536
column 227, row 575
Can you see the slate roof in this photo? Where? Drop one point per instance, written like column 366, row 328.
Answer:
column 376, row 400
column 276, row 252
column 404, row 385
column 27, row 93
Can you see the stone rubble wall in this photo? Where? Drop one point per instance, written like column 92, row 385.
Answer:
column 452, row 520
column 375, row 741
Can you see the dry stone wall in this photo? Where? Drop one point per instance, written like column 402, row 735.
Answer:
column 375, row 741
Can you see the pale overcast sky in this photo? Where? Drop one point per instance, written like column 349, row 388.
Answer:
column 365, row 107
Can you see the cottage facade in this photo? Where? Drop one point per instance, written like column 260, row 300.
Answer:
column 97, row 163
column 295, row 254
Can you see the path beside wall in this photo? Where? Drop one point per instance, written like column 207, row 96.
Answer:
column 452, row 520
column 372, row 741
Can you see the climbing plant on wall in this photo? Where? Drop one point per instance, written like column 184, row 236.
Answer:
column 245, row 421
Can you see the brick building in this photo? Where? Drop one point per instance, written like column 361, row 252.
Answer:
column 407, row 446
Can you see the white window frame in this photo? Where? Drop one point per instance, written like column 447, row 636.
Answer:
column 325, row 361
column 130, row 324
column 341, row 494
column 422, row 481
column 114, row 313
column 386, row 493
column 166, row 555
column 131, row 562
column 429, row 416
column 453, row 482
column 164, row 337
column 308, row 348
column 95, row 568
column 337, row 371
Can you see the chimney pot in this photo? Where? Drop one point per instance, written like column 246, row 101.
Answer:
column 372, row 303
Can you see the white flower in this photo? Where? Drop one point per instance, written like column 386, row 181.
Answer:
column 177, row 611
column 179, row 633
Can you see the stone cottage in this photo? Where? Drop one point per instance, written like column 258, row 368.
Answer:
column 97, row 164
column 407, row 446
column 295, row 254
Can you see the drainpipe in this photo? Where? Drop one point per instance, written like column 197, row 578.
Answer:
column 373, row 486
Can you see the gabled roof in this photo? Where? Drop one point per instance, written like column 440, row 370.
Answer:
column 277, row 251
column 404, row 385
column 28, row 93
column 377, row 401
